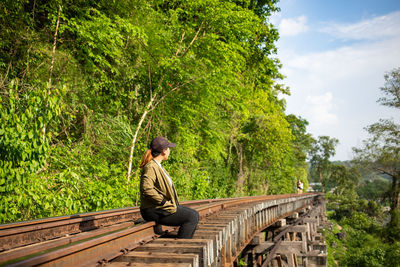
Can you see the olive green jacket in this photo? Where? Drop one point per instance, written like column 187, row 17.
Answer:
column 156, row 190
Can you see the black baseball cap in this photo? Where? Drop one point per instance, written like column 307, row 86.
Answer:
column 159, row 144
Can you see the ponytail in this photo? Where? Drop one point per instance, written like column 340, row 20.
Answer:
column 147, row 157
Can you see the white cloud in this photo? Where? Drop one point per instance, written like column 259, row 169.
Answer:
column 371, row 29
column 319, row 109
column 359, row 63
column 292, row 27
column 336, row 90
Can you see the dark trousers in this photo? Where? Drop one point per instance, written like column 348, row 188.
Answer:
column 184, row 217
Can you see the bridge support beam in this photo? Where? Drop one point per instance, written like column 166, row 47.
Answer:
column 295, row 241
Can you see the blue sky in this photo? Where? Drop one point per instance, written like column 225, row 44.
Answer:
column 334, row 56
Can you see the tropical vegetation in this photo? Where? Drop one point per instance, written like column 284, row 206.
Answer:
column 86, row 85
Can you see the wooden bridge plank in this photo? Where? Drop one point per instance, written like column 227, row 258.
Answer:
column 142, row 264
column 196, row 242
column 226, row 236
column 159, row 257
column 178, row 249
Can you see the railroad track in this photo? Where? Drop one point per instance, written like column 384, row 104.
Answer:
column 115, row 238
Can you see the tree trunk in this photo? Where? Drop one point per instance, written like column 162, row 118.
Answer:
column 136, row 99
column 240, row 176
column 395, row 193
column 135, row 136
column 53, row 53
column 320, row 180
column 395, row 202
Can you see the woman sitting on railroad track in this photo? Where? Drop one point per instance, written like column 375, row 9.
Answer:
column 159, row 201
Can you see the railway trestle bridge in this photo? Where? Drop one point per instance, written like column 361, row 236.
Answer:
column 279, row 230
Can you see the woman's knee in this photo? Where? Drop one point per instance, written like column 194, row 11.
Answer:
column 195, row 217
column 192, row 215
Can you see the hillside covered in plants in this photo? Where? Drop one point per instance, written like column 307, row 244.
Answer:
column 86, row 85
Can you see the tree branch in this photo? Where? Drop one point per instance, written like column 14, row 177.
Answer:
column 6, row 75
column 193, row 40
column 144, row 47
column 180, row 45
column 54, row 48
column 148, row 109
column 151, row 90
column 135, row 137
column 53, row 53
column 383, row 171
column 168, row 93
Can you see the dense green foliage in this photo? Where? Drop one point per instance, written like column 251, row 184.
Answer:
column 322, row 149
column 376, row 189
column 85, row 86
column 358, row 236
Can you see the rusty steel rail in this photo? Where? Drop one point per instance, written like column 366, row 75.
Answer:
column 111, row 234
column 19, row 234
column 18, row 239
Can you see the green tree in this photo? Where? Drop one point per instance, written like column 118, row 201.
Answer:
column 322, row 150
column 342, row 179
column 391, row 89
column 381, row 152
column 374, row 190
column 302, row 145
